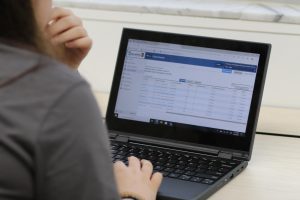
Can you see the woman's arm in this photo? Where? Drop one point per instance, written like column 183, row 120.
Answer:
column 74, row 150
column 75, row 156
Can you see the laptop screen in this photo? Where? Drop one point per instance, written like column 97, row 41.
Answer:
column 171, row 84
column 201, row 91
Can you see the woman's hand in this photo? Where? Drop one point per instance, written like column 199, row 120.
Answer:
column 137, row 179
column 68, row 38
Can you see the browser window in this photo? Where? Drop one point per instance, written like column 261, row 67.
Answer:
column 167, row 83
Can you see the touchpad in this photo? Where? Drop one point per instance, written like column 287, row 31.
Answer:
column 177, row 189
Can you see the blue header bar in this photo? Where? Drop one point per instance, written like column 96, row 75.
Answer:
column 226, row 67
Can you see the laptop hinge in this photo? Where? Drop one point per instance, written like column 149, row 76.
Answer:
column 121, row 138
column 225, row 155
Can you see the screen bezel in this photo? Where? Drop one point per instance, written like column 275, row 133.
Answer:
column 192, row 136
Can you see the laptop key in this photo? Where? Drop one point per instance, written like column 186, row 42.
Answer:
column 118, row 157
column 158, row 163
column 192, row 165
column 179, row 171
column 196, row 179
column 199, row 170
column 173, row 175
column 223, row 170
column 152, row 158
column 190, row 168
column 172, row 161
column 123, row 148
column 158, row 168
column 165, row 173
column 215, row 173
column 214, row 177
column 169, row 165
column 179, row 167
column 211, row 168
column 207, row 181
column 215, row 163
column 168, row 169
column 182, row 158
column 233, row 163
column 161, row 159
column 202, row 166
column 189, row 173
column 123, row 153
column 206, row 176
column 114, row 147
column 226, row 166
column 184, row 177
column 114, row 151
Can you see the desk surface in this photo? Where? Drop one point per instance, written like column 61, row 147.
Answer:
column 274, row 170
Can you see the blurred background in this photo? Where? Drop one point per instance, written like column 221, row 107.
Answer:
column 272, row 21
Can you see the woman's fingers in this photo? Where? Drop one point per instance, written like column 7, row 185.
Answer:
column 82, row 43
column 134, row 163
column 64, row 26
column 58, row 12
column 119, row 165
column 69, row 35
column 59, row 26
column 147, row 168
column 68, row 39
column 136, row 180
column 156, row 180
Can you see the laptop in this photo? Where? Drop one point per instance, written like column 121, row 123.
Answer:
column 189, row 104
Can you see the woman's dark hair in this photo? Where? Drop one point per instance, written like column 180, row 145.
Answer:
column 18, row 23
column 18, row 27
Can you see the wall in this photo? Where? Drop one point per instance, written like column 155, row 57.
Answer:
column 283, row 80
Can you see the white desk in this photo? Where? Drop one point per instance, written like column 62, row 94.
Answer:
column 274, row 170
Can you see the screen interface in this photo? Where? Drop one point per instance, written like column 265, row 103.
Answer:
column 171, row 84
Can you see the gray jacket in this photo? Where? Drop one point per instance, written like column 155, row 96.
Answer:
column 53, row 144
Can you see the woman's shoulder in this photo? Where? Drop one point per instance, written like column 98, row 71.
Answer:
column 34, row 70
column 31, row 85
column 58, row 74
column 35, row 84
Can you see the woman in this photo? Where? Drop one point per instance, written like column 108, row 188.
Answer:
column 52, row 142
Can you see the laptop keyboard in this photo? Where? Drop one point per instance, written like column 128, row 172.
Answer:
column 175, row 164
